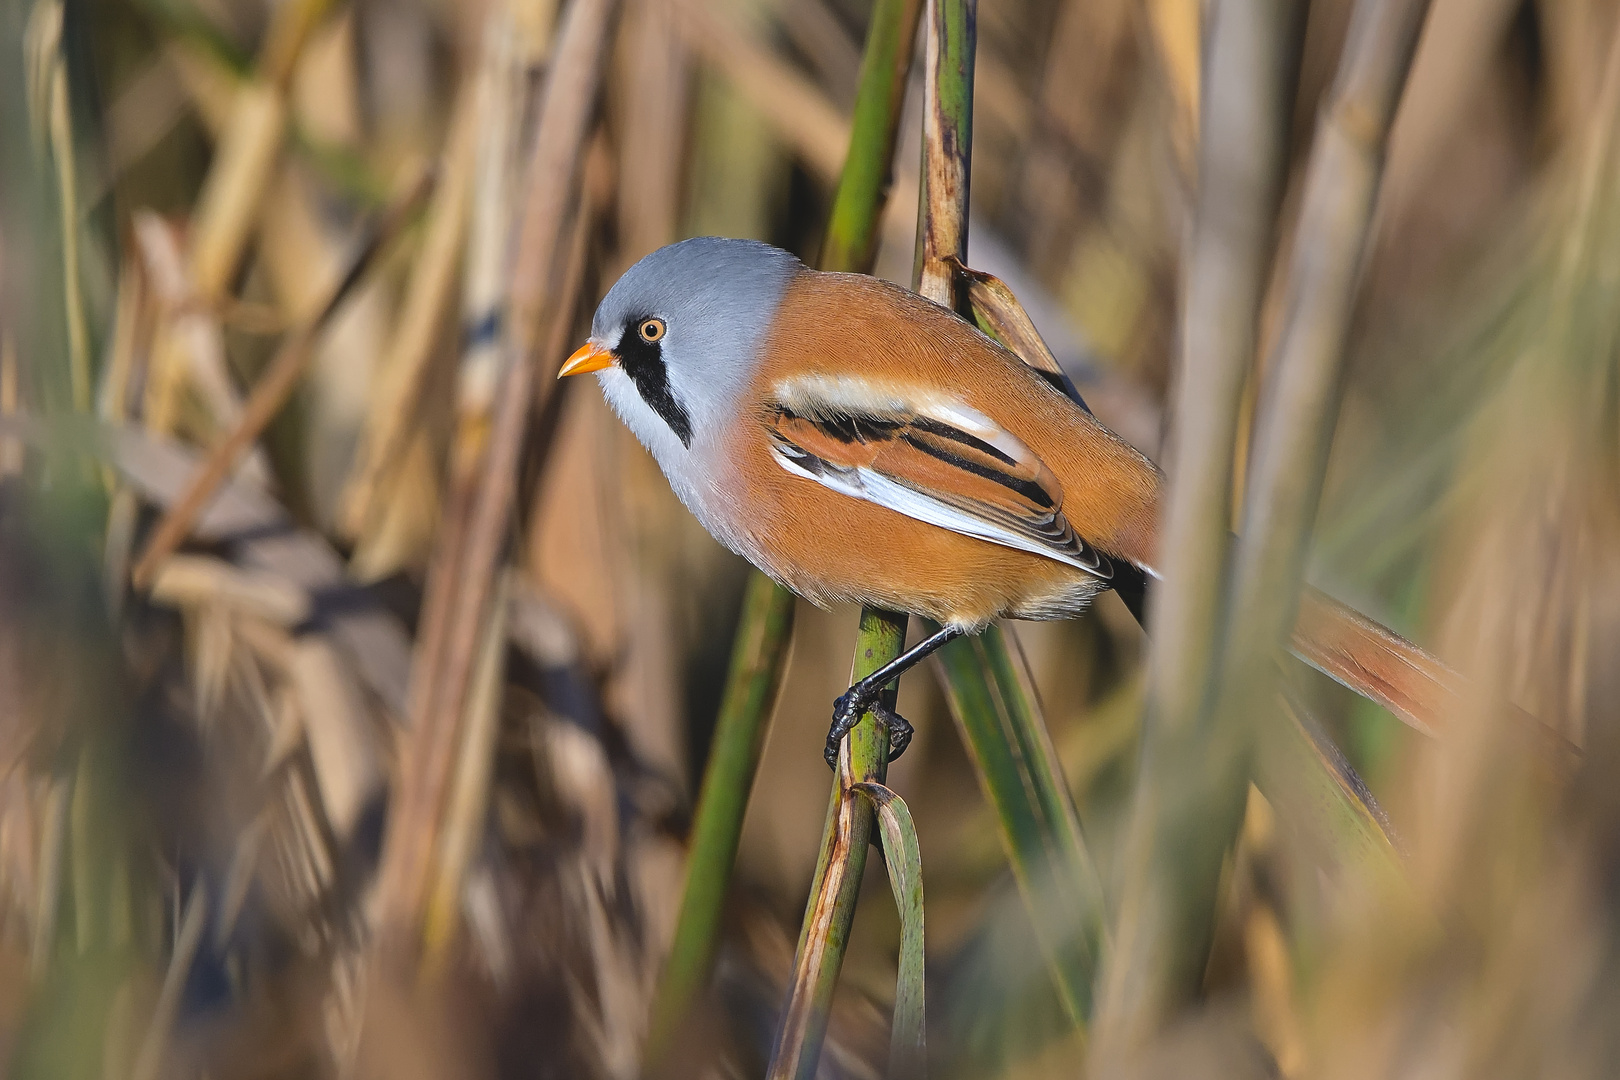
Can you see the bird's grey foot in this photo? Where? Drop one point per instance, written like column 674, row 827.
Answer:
column 847, row 712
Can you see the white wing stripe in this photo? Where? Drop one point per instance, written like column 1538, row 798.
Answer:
column 873, row 487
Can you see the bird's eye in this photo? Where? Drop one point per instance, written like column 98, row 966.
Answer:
column 651, row 330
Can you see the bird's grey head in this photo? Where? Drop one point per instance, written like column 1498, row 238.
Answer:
column 674, row 342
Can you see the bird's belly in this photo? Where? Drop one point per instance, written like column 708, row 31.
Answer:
column 831, row 548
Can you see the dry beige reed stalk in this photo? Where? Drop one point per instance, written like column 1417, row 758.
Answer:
column 484, row 478
column 1191, row 788
column 657, row 90
column 251, row 141
column 467, row 803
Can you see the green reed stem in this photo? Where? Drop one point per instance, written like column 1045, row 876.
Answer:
column 760, row 652
column 947, row 145
column 757, row 658
column 840, row 866
column 852, row 236
column 999, row 717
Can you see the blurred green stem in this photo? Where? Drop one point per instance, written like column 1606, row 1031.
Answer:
column 852, row 228
column 1193, row 783
column 760, row 651
column 996, row 710
column 757, row 659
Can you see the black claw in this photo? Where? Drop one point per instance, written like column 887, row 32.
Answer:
column 847, row 712
column 900, row 732
column 863, row 695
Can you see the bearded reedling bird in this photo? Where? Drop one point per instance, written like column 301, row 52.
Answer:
column 795, row 411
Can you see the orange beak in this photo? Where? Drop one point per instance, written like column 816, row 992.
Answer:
column 589, row 357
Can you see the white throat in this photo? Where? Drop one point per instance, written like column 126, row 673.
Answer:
column 694, row 472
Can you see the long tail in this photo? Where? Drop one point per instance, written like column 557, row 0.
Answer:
column 1353, row 651
column 1338, row 641
column 1374, row 661
column 1379, row 664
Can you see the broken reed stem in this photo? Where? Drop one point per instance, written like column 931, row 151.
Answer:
column 994, row 309
column 484, row 484
column 1162, row 946
column 759, row 654
column 271, row 392
column 942, row 227
column 947, row 145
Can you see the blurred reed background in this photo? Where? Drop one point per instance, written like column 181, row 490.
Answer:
column 302, row 240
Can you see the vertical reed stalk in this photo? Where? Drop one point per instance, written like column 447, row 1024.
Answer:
column 1195, row 780
column 947, row 144
column 998, row 714
column 942, row 231
column 758, row 656
column 760, row 651
column 485, row 481
column 1242, row 160
column 836, row 886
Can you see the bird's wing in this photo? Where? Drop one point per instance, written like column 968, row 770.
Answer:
column 929, row 457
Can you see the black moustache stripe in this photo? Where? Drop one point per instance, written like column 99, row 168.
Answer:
column 643, row 361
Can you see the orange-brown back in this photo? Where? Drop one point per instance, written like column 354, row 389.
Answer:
column 831, row 325
column 842, row 322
